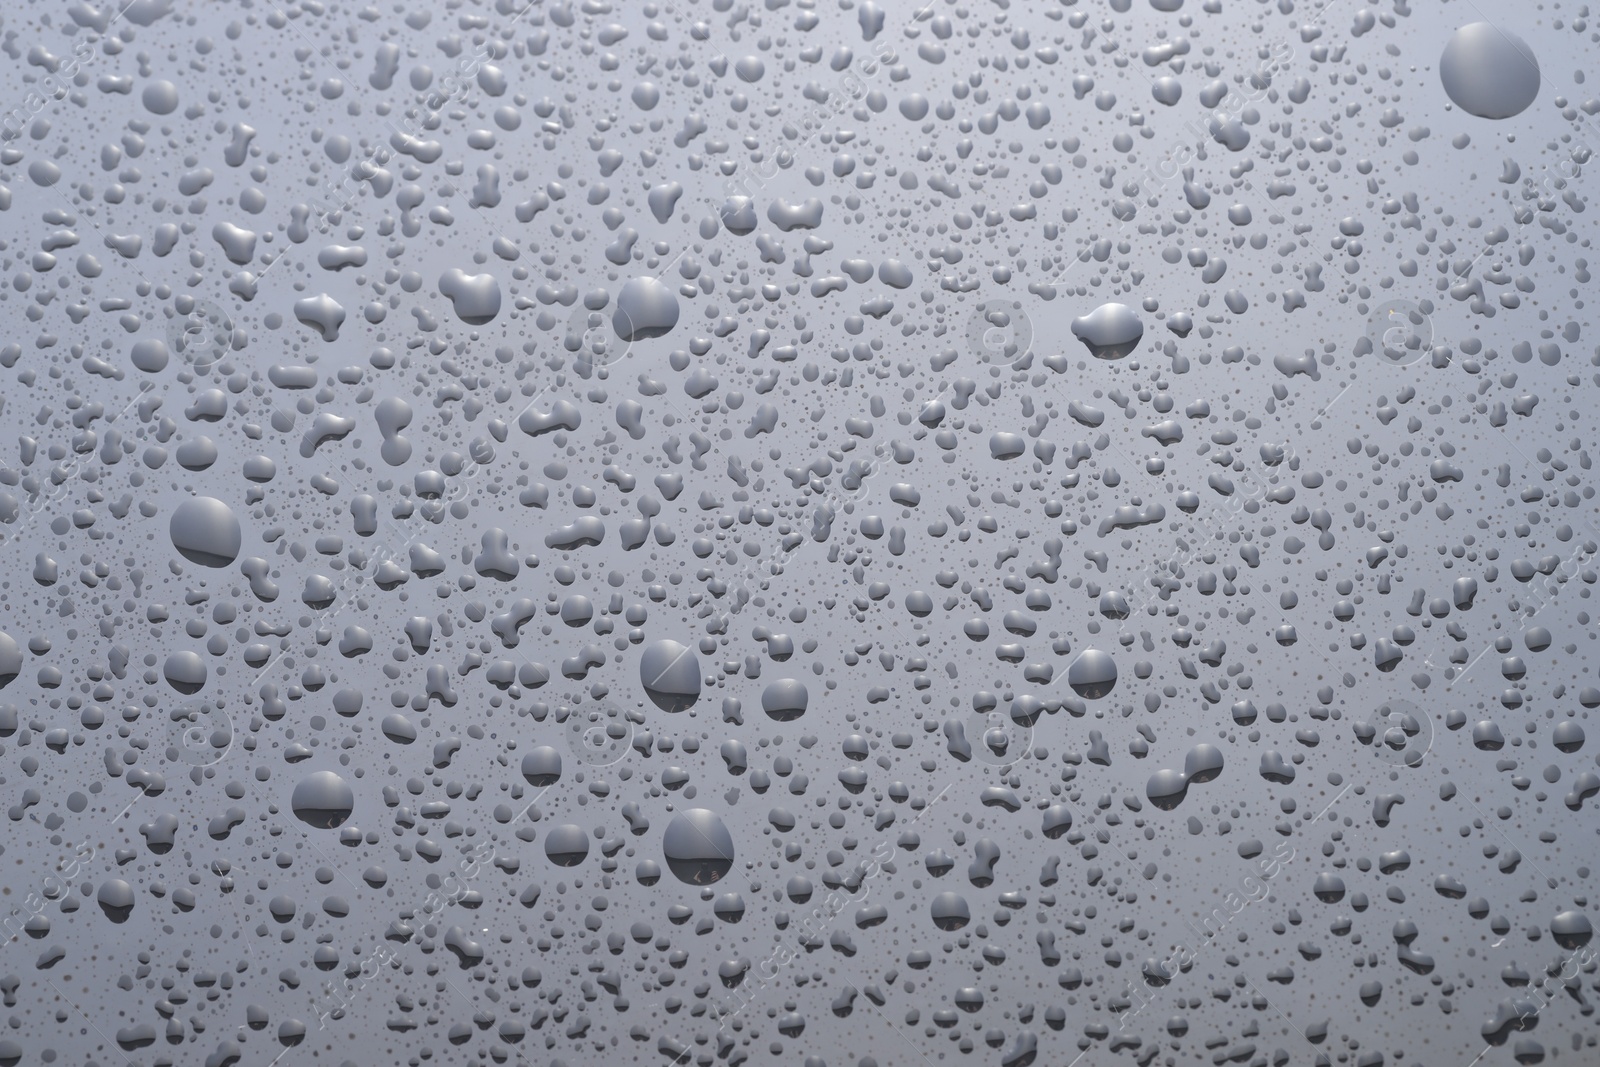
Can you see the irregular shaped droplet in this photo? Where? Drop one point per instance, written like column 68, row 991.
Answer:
column 738, row 214
column 475, row 297
column 662, row 199
column 393, row 414
column 1111, row 331
column 325, row 427
column 563, row 415
column 322, row 312
column 116, row 899
column 803, row 216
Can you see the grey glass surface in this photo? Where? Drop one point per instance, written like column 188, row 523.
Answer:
column 817, row 533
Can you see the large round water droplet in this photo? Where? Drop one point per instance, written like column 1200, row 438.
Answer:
column 1489, row 72
column 567, row 846
column 542, row 766
column 476, row 297
column 670, row 674
column 206, row 531
column 161, row 97
column 950, row 911
column 785, row 700
column 1328, row 888
column 1057, row 820
column 323, row 799
column 698, row 847
column 1093, row 674
column 1567, row 736
column 185, row 672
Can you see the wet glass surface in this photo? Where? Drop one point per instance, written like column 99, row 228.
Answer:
column 834, row 534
